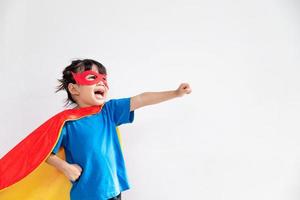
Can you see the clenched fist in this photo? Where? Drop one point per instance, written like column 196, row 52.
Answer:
column 183, row 89
column 72, row 171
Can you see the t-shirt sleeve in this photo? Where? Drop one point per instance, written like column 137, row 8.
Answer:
column 120, row 111
column 61, row 141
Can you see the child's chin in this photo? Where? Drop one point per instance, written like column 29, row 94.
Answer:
column 100, row 102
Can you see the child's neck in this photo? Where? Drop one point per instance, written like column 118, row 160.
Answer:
column 84, row 106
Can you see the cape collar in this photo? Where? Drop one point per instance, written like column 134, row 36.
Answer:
column 84, row 111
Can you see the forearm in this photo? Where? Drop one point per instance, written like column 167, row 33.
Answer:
column 71, row 171
column 150, row 98
column 56, row 162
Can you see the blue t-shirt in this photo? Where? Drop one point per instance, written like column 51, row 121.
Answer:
column 92, row 143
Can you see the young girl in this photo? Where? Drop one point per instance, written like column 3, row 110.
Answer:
column 94, row 162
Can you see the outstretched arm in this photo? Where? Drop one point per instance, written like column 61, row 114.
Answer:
column 150, row 98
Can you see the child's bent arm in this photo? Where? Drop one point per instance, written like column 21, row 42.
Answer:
column 150, row 98
column 57, row 162
column 71, row 171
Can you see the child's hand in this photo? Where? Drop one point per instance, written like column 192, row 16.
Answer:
column 183, row 89
column 72, row 171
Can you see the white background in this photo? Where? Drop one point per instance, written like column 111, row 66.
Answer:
column 236, row 137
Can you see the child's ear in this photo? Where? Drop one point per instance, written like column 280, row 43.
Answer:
column 73, row 89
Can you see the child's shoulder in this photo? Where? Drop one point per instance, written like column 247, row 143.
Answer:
column 117, row 102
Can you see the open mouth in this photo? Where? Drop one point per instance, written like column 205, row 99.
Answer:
column 99, row 93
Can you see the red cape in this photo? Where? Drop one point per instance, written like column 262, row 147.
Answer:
column 24, row 164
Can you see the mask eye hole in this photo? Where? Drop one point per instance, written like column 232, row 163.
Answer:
column 90, row 77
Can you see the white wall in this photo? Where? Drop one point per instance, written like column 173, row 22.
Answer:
column 235, row 137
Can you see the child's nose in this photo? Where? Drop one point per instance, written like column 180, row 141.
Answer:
column 100, row 83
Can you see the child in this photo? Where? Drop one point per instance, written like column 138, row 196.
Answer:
column 94, row 162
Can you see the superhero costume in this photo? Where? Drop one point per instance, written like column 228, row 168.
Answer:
column 23, row 172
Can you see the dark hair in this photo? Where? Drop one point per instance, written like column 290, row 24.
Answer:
column 76, row 66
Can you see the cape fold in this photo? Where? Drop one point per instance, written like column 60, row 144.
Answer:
column 25, row 175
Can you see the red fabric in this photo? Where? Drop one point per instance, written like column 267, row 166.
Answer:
column 82, row 78
column 26, row 156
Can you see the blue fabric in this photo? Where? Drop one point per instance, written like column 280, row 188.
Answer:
column 92, row 143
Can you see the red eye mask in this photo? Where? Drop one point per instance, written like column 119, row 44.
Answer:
column 89, row 77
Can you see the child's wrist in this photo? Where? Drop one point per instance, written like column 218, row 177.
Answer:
column 177, row 93
column 63, row 166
